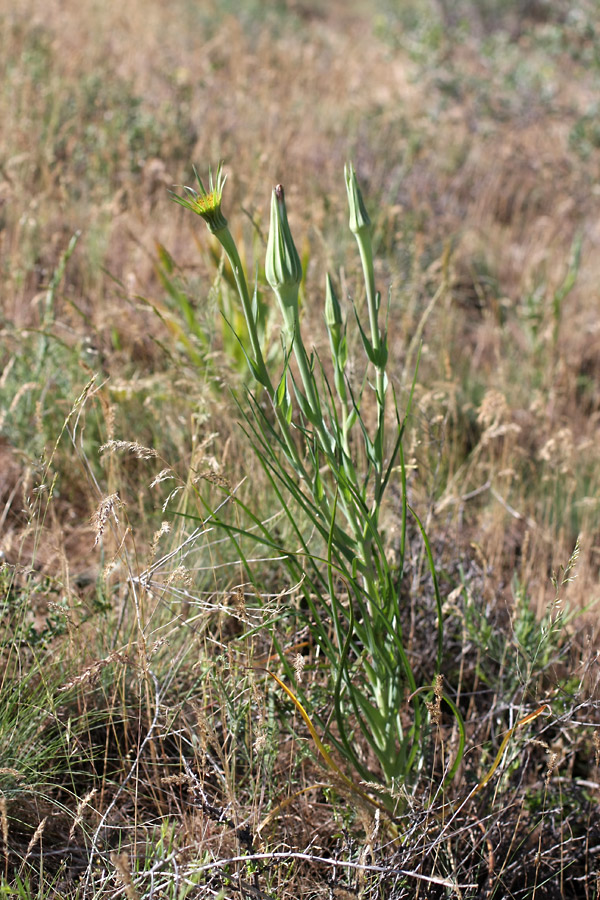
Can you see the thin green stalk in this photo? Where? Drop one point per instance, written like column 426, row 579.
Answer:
column 226, row 240
column 360, row 225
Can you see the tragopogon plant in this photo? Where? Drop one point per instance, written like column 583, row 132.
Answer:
column 329, row 465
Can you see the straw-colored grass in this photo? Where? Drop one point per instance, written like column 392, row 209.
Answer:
column 143, row 751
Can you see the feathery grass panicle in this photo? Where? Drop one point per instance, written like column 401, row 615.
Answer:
column 4, row 829
column 132, row 447
column 107, row 509
column 35, row 839
column 122, row 866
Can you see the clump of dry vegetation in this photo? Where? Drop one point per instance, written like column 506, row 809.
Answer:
column 144, row 750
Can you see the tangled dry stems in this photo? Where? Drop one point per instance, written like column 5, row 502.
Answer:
column 99, row 766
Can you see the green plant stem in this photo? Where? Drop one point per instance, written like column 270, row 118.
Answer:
column 326, row 439
column 262, row 375
column 307, row 377
column 366, row 259
column 363, row 240
column 226, row 240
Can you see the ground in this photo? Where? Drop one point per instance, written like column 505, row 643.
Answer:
column 142, row 743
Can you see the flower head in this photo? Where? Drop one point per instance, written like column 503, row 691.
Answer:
column 206, row 203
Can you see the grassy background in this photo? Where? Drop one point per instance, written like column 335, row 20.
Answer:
column 474, row 130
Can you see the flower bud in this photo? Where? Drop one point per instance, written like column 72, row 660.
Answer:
column 333, row 315
column 282, row 265
column 333, row 310
column 359, row 217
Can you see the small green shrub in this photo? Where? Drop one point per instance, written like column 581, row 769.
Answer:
column 330, row 444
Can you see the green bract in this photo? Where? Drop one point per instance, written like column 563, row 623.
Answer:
column 333, row 311
column 359, row 217
column 206, row 203
column 282, row 264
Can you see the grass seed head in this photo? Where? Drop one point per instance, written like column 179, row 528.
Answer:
column 121, row 863
column 106, row 508
column 4, row 826
column 37, row 836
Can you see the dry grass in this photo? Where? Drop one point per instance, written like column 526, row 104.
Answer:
column 139, row 748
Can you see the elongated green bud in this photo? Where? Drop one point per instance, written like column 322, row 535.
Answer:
column 359, row 217
column 360, row 225
column 333, row 310
column 282, row 265
column 333, row 314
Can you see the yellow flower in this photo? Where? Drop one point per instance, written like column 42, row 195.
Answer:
column 206, row 203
